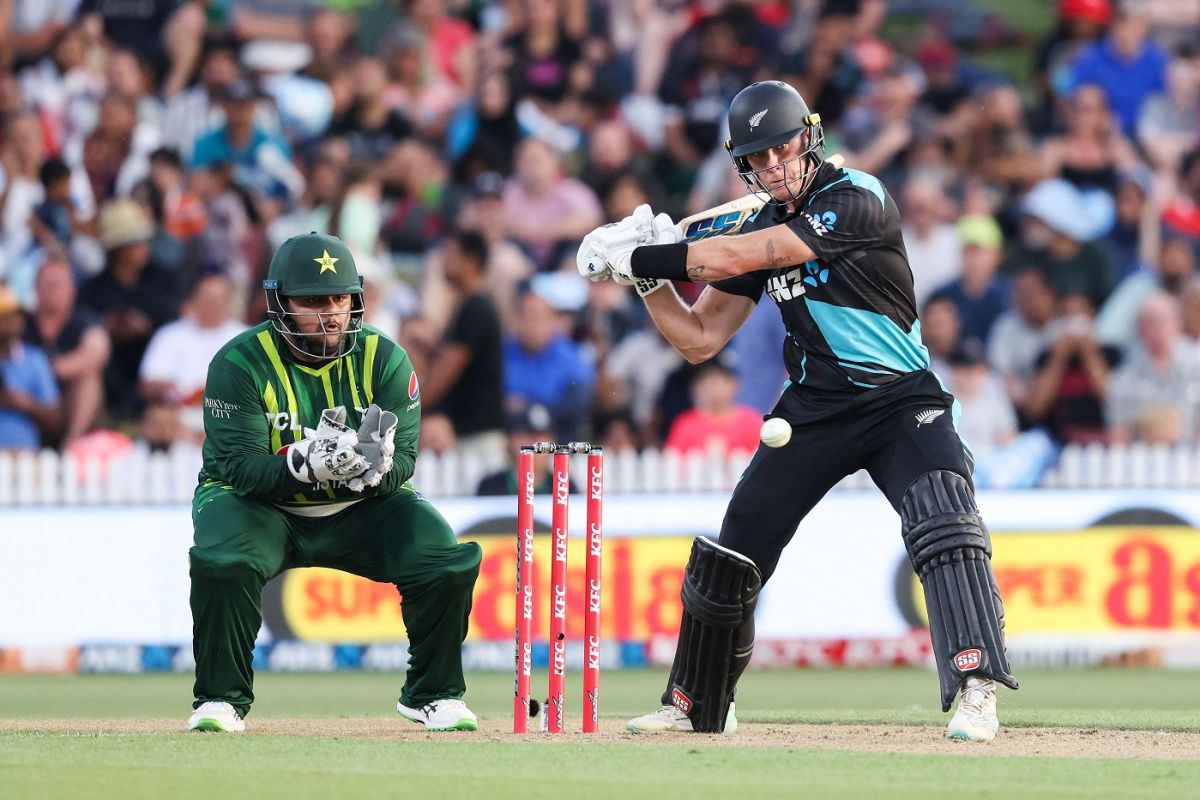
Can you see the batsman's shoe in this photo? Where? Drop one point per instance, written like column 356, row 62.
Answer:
column 975, row 718
column 669, row 718
column 441, row 715
column 216, row 715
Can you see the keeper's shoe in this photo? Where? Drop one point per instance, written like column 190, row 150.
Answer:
column 975, row 718
column 216, row 715
column 669, row 719
column 447, row 714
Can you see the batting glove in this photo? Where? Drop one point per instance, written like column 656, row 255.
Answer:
column 662, row 231
column 376, row 443
column 327, row 452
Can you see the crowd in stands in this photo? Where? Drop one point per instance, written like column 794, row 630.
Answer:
column 154, row 154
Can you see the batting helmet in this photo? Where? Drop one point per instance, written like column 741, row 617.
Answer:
column 313, row 265
column 765, row 115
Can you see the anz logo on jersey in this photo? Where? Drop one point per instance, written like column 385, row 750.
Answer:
column 791, row 285
column 821, row 223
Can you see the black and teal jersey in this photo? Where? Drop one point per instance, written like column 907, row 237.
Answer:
column 258, row 399
column 850, row 314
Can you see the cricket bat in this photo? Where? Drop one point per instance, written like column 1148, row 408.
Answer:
column 729, row 217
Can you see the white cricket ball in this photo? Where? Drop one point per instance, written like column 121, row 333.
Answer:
column 775, row 432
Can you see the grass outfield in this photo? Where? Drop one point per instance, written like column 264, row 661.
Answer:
column 1084, row 734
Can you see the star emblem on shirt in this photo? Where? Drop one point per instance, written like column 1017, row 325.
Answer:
column 327, row 263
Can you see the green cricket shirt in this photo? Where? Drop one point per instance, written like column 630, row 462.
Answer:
column 258, row 399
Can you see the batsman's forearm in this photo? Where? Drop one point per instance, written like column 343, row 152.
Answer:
column 678, row 324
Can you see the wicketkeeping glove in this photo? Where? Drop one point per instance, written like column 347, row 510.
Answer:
column 376, row 444
column 327, row 452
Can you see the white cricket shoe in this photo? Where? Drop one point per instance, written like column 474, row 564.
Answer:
column 670, row 718
column 216, row 715
column 975, row 718
column 441, row 715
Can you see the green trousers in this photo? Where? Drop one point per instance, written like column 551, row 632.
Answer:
column 240, row 544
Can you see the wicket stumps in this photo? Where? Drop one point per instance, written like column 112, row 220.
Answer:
column 555, row 709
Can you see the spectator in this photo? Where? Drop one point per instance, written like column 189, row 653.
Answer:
column 425, row 96
column 1189, row 300
column 987, row 420
column 931, row 242
column 75, row 342
column 1080, row 23
column 1166, row 126
column 1163, row 371
column 1023, row 332
column 29, row 402
column 20, row 194
column 547, row 211
column 370, row 125
column 715, row 423
column 174, row 368
column 133, row 295
column 1057, row 234
column 1090, row 152
column 483, row 135
column 166, row 32
column 1131, row 240
column 261, row 160
column 979, row 295
column 451, row 40
column 1125, row 64
column 941, row 331
column 57, row 220
column 1071, row 379
column 529, row 425
column 116, row 153
column 542, row 365
column 507, row 263
column 1176, row 266
column 465, row 379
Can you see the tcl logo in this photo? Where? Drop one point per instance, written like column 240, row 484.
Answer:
column 968, row 660
column 681, row 701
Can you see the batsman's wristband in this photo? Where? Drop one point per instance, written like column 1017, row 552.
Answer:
column 663, row 261
column 647, row 286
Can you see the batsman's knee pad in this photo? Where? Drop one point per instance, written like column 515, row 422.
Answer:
column 716, row 634
column 951, row 553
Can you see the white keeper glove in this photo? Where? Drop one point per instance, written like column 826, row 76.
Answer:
column 327, row 452
column 596, row 252
column 376, row 443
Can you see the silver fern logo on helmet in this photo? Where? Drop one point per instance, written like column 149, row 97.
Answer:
column 757, row 118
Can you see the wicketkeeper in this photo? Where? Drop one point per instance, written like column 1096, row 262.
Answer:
column 827, row 250
column 311, row 421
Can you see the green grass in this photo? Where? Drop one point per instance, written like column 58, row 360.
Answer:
column 44, row 765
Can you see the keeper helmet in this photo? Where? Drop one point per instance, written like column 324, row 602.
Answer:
column 765, row 115
column 313, row 265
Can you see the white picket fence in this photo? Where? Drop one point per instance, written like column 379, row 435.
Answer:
column 139, row 478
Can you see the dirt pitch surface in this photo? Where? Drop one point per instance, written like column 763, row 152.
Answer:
column 1034, row 742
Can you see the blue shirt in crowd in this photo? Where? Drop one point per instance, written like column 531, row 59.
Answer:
column 1127, row 83
column 26, row 370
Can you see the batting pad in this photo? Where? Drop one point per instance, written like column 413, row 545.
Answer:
column 951, row 553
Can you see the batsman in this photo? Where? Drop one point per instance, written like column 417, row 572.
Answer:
column 826, row 249
column 311, row 422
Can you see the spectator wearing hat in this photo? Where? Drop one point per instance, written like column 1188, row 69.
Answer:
column 542, row 365
column 29, row 400
column 1057, row 234
column 75, row 342
column 175, row 366
column 979, row 294
column 547, row 211
column 464, row 379
column 525, row 426
column 1126, row 64
column 133, row 295
column 1163, row 371
column 715, row 423
column 261, row 160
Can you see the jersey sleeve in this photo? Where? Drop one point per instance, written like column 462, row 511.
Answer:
column 400, row 392
column 840, row 219
column 237, row 446
column 748, row 284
